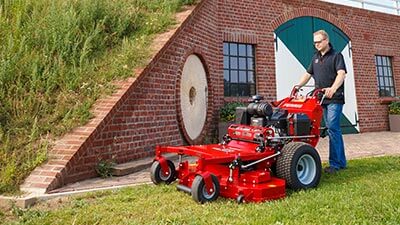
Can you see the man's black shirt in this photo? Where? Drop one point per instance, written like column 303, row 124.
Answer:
column 324, row 71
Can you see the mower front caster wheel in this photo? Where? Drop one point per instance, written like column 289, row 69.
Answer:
column 200, row 193
column 157, row 175
column 240, row 199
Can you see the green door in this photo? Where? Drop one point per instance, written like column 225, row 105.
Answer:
column 293, row 51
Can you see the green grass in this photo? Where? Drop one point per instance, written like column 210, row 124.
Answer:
column 365, row 193
column 56, row 58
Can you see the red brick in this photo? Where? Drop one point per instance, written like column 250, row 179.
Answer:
column 48, row 173
column 39, row 185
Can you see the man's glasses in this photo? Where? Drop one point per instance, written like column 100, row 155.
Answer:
column 319, row 42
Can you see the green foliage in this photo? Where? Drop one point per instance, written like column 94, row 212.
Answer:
column 365, row 193
column 227, row 112
column 104, row 168
column 394, row 108
column 26, row 215
column 56, row 58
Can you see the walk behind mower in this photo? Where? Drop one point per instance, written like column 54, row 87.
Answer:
column 271, row 146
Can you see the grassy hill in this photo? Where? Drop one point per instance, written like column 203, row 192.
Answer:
column 56, row 58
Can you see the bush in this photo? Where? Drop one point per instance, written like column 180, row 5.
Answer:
column 105, row 168
column 394, row 108
column 227, row 112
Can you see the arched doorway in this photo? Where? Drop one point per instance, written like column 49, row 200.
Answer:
column 293, row 51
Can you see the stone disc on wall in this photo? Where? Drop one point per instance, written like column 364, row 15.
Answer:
column 193, row 97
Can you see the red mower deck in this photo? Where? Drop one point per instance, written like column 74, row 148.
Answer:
column 270, row 149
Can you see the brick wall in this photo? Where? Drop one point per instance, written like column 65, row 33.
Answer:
column 146, row 111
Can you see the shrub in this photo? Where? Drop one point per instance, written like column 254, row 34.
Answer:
column 104, row 168
column 227, row 112
column 394, row 108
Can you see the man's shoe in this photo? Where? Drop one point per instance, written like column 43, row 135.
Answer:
column 330, row 170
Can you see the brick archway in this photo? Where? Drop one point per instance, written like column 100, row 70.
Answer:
column 314, row 13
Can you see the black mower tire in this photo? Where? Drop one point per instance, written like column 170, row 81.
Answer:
column 300, row 165
column 156, row 173
column 199, row 192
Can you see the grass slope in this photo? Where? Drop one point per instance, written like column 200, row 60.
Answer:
column 56, row 58
column 365, row 193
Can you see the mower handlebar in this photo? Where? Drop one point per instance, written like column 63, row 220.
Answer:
column 316, row 92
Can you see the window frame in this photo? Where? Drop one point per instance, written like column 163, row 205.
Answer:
column 237, row 58
column 385, row 77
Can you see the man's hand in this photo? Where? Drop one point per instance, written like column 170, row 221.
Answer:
column 329, row 92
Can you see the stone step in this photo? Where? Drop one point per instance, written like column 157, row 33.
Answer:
column 137, row 165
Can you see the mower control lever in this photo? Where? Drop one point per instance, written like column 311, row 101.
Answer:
column 260, row 160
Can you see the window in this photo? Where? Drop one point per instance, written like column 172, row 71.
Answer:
column 239, row 74
column 385, row 75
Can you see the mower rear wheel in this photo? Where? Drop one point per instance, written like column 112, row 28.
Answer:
column 299, row 165
column 157, row 175
column 199, row 191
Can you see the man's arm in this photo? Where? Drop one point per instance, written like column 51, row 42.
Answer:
column 304, row 79
column 329, row 92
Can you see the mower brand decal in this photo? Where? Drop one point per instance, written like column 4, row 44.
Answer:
column 298, row 106
column 226, row 149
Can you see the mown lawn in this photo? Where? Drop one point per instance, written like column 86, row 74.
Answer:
column 365, row 193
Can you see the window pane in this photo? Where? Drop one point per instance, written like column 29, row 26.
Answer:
column 389, row 61
column 381, row 92
column 380, row 71
column 385, row 73
column 226, row 48
column 381, row 81
column 226, row 89
column 379, row 60
column 244, row 90
column 252, row 89
column 242, row 50
column 234, row 63
column 226, row 62
column 390, row 72
column 389, row 83
column 250, row 50
column 242, row 63
column 234, row 90
column 242, row 77
column 233, row 49
column 250, row 63
column 387, row 92
column 386, row 81
column 234, row 76
column 392, row 92
column 226, row 76
column 384, row 60
column 250, row 75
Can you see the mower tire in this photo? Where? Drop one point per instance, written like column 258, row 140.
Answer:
column 300, row 165
column 199, row 192
column 157, row 175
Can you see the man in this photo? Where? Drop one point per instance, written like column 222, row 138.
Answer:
column 328, row 70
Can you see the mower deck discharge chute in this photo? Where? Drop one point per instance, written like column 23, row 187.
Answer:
column 272, row 146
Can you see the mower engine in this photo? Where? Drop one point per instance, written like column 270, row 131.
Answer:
column 271, row 146
column 294, row 118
